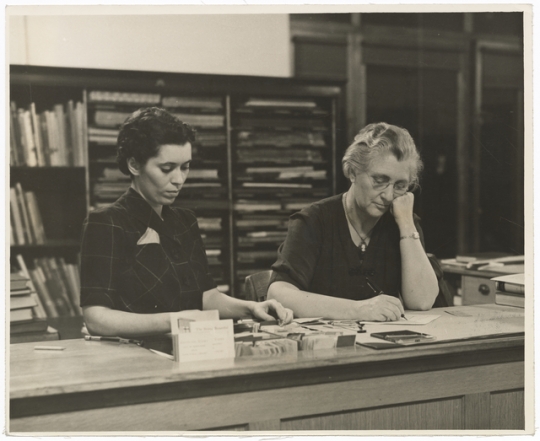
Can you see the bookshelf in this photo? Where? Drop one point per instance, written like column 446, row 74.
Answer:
column 265, row 148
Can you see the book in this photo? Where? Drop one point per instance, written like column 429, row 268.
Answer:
column 62, row 140
column 18, row 315
column 17, row 155
column 512, row 283
column 38, row 278
column 71, row 284
column 49, row 334
column 39, row 310
column 35, row 217
column 98, row 96
column 36, row 132
column 509, row 299
column 27, row 138
column 20, row 302
column 34, row 325
column 23, row 208
column 17, row 217
column 19, row 282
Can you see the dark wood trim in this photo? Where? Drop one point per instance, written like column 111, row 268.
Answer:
column 172, row 82
column 400, row 37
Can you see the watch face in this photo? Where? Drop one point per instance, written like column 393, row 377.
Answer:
column 416, row 235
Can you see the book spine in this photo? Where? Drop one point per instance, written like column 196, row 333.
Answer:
column 45, row 138
column 36, row 132
column 61, row 283
column 21, row 200
column 14, row 136
column 17, row 217
column 72, row 275
column 38, row 278
column 30, row 146
column 510, row 288
column 63, row 152
column 35, row 217
column 71, row 295
column 51, row 282
column 53, row 139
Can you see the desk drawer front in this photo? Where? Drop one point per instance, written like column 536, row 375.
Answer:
column 477, row 290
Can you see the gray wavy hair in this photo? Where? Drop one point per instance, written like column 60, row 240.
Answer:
column 380, row 139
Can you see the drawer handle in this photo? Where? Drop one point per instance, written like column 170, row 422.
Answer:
column 484, row 289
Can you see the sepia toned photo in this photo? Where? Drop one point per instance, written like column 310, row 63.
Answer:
column 269, row 220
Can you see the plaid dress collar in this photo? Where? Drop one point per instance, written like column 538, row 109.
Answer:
column 137, row 207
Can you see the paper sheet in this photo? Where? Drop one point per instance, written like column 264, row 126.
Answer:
column 412, row 319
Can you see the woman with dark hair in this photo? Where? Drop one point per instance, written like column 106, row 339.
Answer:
column 142, row 259
column 360, row 255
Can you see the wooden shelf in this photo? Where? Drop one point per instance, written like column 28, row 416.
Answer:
column 56, row 184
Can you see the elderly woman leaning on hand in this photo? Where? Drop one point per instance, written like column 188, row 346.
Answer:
column 360, row 255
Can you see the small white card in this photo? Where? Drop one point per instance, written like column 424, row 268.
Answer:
column 204, row 340
column 180, row 320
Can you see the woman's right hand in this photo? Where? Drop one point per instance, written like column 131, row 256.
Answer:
column 382, row 308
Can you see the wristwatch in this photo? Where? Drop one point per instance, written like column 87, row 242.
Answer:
column 415, row 235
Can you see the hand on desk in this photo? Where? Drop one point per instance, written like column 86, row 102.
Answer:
column 382, row 308
column 271, row 310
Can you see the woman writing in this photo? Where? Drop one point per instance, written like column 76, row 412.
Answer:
column 142, row 259
column 353, row 256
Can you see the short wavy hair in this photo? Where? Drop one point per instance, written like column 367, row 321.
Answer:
column 144, row 131
column 377, row 140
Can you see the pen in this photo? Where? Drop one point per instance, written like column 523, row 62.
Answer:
column 113, row 339
column 378, row 291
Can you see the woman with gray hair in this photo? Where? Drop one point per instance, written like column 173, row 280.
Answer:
column 360, row 255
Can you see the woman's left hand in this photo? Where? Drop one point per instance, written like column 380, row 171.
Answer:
column 262, row 310
column 402, row 208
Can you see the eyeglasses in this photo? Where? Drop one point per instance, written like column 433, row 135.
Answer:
column 400, row 188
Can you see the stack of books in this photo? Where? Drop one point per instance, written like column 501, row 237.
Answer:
column 510, row 290
column 27, row 317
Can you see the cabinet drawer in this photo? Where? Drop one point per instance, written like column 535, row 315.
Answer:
column 477, row 290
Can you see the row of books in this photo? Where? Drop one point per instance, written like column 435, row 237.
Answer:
column 138, row 98
column 26, row 225
column 281, row 122
column 109, row 136
column 273, row 174
column 115, row 118
column 251, row 205
column 57, row 284
column 284, row 139
column 290, row 156
column 510, row 290
column 55, row 137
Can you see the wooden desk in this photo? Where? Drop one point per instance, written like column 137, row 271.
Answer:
column 101, row 386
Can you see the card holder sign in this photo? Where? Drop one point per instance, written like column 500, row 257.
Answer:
column 197, row 339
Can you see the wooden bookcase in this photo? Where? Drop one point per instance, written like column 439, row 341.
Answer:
column 251, row 130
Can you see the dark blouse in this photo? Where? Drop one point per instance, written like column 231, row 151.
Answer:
column 320, row 256
column 166, row 273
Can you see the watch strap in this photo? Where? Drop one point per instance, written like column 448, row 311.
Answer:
column 414, row 235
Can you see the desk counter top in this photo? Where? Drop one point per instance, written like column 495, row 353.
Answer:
column 112, row 371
